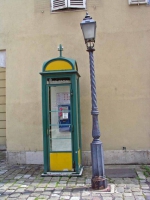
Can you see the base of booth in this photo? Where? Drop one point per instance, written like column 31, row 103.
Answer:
column 70, row 174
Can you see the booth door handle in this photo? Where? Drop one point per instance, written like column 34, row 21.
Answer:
column 47, row 132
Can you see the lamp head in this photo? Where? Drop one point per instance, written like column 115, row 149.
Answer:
column 88, row 26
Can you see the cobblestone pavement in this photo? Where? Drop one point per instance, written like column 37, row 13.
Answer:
column 25, row 182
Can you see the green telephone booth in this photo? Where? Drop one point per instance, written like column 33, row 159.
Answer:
column 61, row 117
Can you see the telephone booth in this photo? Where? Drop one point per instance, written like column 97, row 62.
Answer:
column 61, row 117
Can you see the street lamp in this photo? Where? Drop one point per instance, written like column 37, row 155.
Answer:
column 99, row 181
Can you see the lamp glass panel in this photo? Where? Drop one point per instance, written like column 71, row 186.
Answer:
column 89, row 30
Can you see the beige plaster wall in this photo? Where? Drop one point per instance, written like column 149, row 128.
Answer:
column 30, row 33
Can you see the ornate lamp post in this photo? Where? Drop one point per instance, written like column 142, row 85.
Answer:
column 88, row 26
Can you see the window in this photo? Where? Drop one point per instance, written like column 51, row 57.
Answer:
column 138, row 2
column 63, row 4
column 2, row 58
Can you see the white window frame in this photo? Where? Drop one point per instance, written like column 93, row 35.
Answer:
column 137, row 2
column 67, row 4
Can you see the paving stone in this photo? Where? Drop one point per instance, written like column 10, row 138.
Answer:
column 3, row 197
column 55, row 179
column 42, row 185
column 31, row 198
column 129, row 198
column 9, row 191
column 29, row 190
column 51, row 185
column 139, row 197
column 55, row 195
column 34, row 194
column 137, row 193
column 75, row 198
column 24, row 196
column 96, row 198
column 64, row 197
column 62, row 181
column 147, row 197
column 148, row 179
column 121, row 185
column 13, row 188
column 95, row 195
column 2, row 190
column 39, row 189
column 143, row 181
column 46, row 193
column 73, row 179
column 127, row 191
column 105, row 195
column 84, row 193
column 117, row 195
column 79, row 184
column 77, row 194
column 127, row 180
column 15, row 195
column 128, row 195
column 61, row 185
column 146, row 191
column 20, row 181
column 136, row 189
column 145, row 187
column 47, row 178
column 57, row 192
column 107, row 198
column 86, row 198
column 58, row 189
column 66, row 193
column 43, row 196
column 135, row 185
column 71, row 184
column 120, row 189
column 3, row 172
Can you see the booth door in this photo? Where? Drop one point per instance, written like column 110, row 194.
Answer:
column 59, row 128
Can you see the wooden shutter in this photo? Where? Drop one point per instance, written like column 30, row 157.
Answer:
column 58, row 4
column 76, row 3
column 138, row 1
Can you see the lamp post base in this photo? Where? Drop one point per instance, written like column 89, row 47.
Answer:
column 99, row 183
column 98, row 180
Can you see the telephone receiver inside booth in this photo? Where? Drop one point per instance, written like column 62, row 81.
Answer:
column 64, row 118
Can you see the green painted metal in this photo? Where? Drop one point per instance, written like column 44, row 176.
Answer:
column 60, row 49
column 73, row 75
column 45, row 145
column 79, row 117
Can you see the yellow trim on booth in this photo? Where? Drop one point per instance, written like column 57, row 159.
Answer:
column 58, row 65
column 61, row 161
column 79, row 157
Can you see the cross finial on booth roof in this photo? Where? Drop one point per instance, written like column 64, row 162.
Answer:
column 60, row 48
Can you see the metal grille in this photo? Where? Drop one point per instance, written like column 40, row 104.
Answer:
column 76, row 2
column 58, row 4
column 138, row 1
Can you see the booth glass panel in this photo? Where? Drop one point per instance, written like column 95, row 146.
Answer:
column 59, row 118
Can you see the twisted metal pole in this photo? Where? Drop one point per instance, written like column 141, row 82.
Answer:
column 98, row 172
